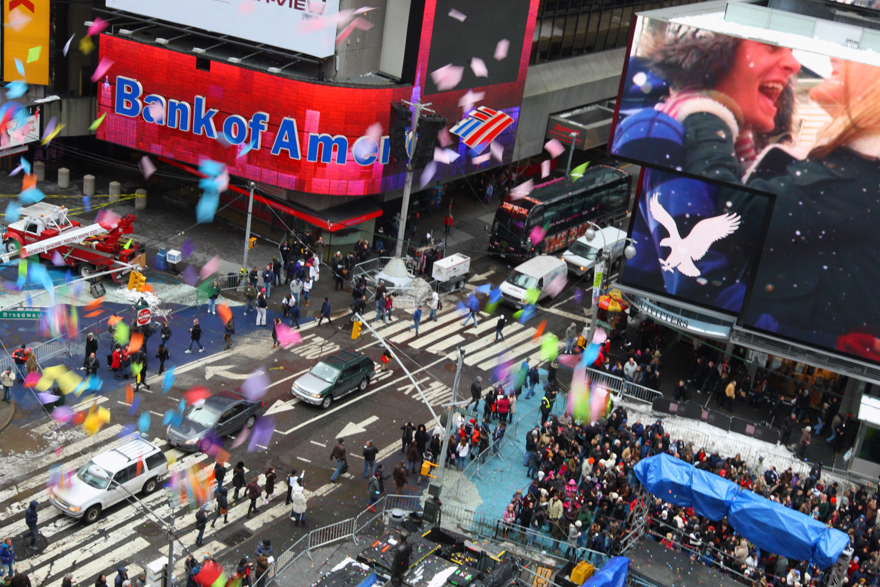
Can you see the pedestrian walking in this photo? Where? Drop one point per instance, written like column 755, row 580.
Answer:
column 338, row 268
column 141, row 361
column 400, row 477
column 91, row 346
column 292, row 481
column 476, row 393
column 325, row 312
column 162, row 355
column 300, row 505
column 253, row 494
column 294, row 314
column 417, row 317
column 30, row 519
column 238, row 479
column 285, row 304
column 315, row 269
column 534, row 377
column 7, row 557
column 373, row 492
column 369, row 454
column 228, row 331
column 269, row 485
column 380, row 305
column 499, row 326
column 296, row 287
column 307, row 289
column 473, row 306
column 268, row 278
column 219, row 473
column 222, row 506
column 165, row 333
column 389, row 305
column 435, row 306
column 250, row 296
column 201, row 523
column 262, row 304
column 570, row 338
column 338, row 453
column 277, row 266
column 276, row 322
column 408, row 432
column 385, row 359
column 7, row 379
column 195, row 336
column 214, row 293
column 804, row 442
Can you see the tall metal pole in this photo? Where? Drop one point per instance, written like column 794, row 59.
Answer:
column 604, row 262
column 452, row 403
column 574, row 137
column 171, row 532
column 247, row 230
column 407, row 188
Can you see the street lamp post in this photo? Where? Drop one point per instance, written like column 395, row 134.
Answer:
column 247, row 230
column 602, row 269
column 574, row 137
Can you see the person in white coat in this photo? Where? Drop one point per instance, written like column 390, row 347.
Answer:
column 434, row 306
column 299, row 506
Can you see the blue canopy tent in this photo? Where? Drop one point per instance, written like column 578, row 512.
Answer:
column 766, row 524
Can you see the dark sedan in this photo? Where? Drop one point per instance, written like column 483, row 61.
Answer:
column 223, row 414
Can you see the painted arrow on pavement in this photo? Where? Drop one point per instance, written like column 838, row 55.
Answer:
column 211, row 371
column 281, row 406
column 360, row 427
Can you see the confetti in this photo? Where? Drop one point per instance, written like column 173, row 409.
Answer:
column 470, row 99
column 246, row 7
column 195, row 394
column 17, row 19
column 57, row 259
column 47, row 398
column 261, row 433
column 444, row 137
column 478, row 66
column 48, row 136
column 501, row 49
column 555, row 287
column 86, row 45
column 447, row 77
column 555, row 148
column 168, row 381
column 545, row 168
column 241, row 438
column 187, row 248
column 98, row 25
column 287, row 336
column 19, row 66
column 523, row 189
column 539, row 331
column 157, row 111
column 67, row 44
column 144, row 423
column 13, row 211
column 255, row 386
column 497, row 151
column 190, row 277
column 445, row 155
column 358, row 23
column 537, row 234
column 134, row 406
column 457, row 15
column 87, row 203
column 16, row 89
column 549, row 347
column 210, row 268
column 224, row 312
column 103, row 66
column 600, row 336
column 316, row 7
column 480, row 159
column 97, row 123
column 34, row 54
column 428, row 173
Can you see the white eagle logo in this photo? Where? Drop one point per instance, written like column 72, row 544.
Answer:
column 693, row 247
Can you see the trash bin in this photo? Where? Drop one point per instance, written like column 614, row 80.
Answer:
column 161, row 260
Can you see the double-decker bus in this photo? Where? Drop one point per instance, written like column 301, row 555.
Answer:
column 565, row 209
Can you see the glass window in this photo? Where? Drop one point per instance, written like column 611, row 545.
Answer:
column 155, row 461
column 93, row 475
column 126, row 474
column 582, row 249
column 325, row 372
column 203, row 415
column 522, row 280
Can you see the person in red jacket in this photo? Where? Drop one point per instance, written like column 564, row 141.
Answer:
column 502, row 404
column 116, row 362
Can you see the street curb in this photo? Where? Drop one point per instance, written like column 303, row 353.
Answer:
column 3, row 425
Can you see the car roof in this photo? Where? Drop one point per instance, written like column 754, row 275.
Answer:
column 343, row 358
column 539, row 265
column 125, row 454
column 223, row 399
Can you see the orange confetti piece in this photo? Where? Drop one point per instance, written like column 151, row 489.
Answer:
column 94, row 304
column 29, row 181
column 113, row 320
column 225, row 313
column 147, row 288
column 94, row 313
column 136, row 342
column 129, row 394
column 539, row 331
column 222, row 456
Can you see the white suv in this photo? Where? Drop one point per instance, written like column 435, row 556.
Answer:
column 109, row 478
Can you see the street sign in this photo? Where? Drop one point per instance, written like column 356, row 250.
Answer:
column 597, row 280
column 20, row 314
column 144, row 316
column 604, row 325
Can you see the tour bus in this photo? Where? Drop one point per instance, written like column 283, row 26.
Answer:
column 564, row 209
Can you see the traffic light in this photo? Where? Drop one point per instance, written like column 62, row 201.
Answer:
column 399, row 124
column 355, row 330
column 140, row 281
column 132, row 279
column 426, row 132
column 252, row 242
column 426, row 469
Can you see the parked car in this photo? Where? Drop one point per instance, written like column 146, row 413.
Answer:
column 220, row 415
column 112, row 476
column 334, row 377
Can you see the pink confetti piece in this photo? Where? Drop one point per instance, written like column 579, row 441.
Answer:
column 440, row 156
column 104, row 65
column 58, row 451
column 210, row 268
column 444, row 137
column 600, row 336
column 98, row 25
column 545, row 168
column 242, row 437
column 247, row 7
column 17, row 19
column 537, row 235
column 316, row 7
column 469, row 99
column 358, row 23
column 496, row 150
column 457, row 15
column 32, row 379
column 501, row 49
column 146, row 166
column 157, row 111
column 447, row 77
column 364, row 9
column 569, row 361
column 428, row 173
column 287, row 336
column 555, row 287
column 523, row 189
column 478, row 66
column 480, row 159
column 374, row 131
column 255, row 386
column 555, row 148
column 107, row 218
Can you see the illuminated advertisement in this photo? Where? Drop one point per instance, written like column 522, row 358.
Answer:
column 696, row 243
column 26, row 41
column 801, row 126
column 283, row 23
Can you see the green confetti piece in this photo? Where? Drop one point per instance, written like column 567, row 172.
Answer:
column 549, row 347
column 34, row 53
column 122, row 333
column 94, row 126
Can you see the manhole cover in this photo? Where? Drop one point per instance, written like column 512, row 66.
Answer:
column 235, row 538
column 449, row 367
column 151, row 529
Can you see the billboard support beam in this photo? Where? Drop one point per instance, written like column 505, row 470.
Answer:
column 247, row 230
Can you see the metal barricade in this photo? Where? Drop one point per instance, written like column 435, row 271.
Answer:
column 369, row 515
column 625, row 388
column 231, row 281
column 406, row 503
column 332, row 533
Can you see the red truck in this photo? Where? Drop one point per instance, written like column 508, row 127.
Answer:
column 45, row 228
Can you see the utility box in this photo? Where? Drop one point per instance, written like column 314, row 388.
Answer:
column 451, row 267
column 156, row 572
column 162, row 260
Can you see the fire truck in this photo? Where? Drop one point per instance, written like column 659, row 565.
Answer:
column 44, row 229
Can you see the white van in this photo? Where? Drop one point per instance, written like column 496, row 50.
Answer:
column 537, row 272
column 112, row 476
column 584, row 255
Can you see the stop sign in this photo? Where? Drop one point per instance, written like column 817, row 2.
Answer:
column 143, row 316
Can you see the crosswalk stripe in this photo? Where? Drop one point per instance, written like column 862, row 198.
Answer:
column 496, row 348
column 84, row 405
column 121, row 550
column 427, row 328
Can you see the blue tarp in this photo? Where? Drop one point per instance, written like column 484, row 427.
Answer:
column 612, row 574
column 766, row 524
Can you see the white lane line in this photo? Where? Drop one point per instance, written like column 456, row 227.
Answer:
column 122, row 550
column 304, row 459
column 500, row 347
column 321, row 444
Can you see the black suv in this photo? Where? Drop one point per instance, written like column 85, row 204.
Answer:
column 334, row 377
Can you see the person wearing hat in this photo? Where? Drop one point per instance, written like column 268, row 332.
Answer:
column 499, row 326
column 121, row 576
column 268, row 278
column 804, row 442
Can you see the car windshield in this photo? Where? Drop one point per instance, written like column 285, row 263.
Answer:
column 582, row 249
column 93, row 475
column 522, row 280
column 325, row 372
column 203, row 415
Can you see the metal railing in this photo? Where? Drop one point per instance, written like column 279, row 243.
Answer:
column 231, row 281
column 368, row 268
column 622, row 387
column 332, row 533
column 48, row 350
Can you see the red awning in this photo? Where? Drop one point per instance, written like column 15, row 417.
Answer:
column 322, row 223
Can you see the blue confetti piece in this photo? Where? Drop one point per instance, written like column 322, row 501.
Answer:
column 207, row 207
column 31, row 196
column 169, row 380
column 209, row 167
column 16, row 90
column 19, row 66
column 144, row 423
column 13, row 211
column 495, row 295
column 483, row 289
column 127, row 430
column 134, row 406
column 527, row 314
column 29, row 303
column 94, row 384
column 25, row 164
column 247, row 149
column 590, row 355
column 181, row 406
column 87, row 203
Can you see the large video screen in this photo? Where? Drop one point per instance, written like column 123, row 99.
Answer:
column 801, row 126
column 695, row 242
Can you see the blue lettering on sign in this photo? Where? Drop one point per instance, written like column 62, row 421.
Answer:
column 287, row 138
column 148, row 116
column 203, row 121
column 258, row 123
column 326, row 143
column 178, row 115
column 365, row 150
column 235, row 129
column 128, row 92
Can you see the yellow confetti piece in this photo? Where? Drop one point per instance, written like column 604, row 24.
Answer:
column 171, row 456
column 92, row 424
column 68, row 382
column 86, row 45
column 97, row 123
column 34, row 53
column 52, row 134
column 44, row 384
column 104, row 415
